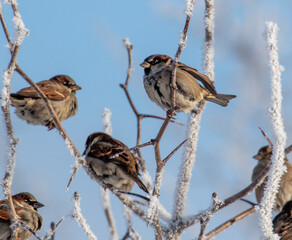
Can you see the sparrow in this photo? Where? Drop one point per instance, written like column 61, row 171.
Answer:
column 25, row 205
column 118, row 172
column 157, row 77
column 283, row 222
column 60, row 90
column 285, row 190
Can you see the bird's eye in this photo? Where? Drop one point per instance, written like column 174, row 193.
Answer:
column 156, row 61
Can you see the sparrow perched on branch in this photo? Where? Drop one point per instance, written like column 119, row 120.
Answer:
column 157, row 80
column 283, row 222
column 285, row 190
column 25, row 205
column 111, row 171
column 60, row 90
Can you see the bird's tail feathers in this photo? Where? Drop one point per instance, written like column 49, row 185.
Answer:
column 141, row 185
column 221, row 99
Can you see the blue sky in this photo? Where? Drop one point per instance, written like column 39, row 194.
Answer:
column 84, row 40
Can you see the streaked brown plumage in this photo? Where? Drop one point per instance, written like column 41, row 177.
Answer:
column 285, row 190
column 119, row 172
column 157, row 74
column 283, row 222
column 60, row 90
column 26, row 206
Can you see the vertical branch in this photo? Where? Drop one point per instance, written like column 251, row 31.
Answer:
column 107, row 128
column 194, row 120
column 277, row 167
column 181, row 46
column 77, row 215
column 131, row 233
column 20, row 33
column 105, row 197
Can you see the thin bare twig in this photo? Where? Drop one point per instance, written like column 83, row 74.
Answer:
column 173, row 152
column 229, row 223
column 248, row 189
column 266, row 137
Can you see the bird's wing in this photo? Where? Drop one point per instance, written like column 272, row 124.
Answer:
column 199, row 76
column 53, row 91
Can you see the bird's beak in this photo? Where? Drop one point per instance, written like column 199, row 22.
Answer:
column 38, row 205
column 145, row 64
column 76, row 87
column 257, row 157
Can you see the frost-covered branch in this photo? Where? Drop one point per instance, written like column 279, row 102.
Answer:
column 19, row 29
column 131, row 233
column 77, row 215
column 194, row 120
column 106, row 120
column 277, row 167
column 105, row 197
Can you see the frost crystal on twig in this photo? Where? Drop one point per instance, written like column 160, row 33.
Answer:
column 277, row 167
column 208, row 61
column 106, row 119
column 77, row 215
column 19, row 28
column 189, row 7
column 153, row 204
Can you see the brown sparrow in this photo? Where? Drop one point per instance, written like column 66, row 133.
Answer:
column 285, row 190
column 26, row 206
column 283, row 222
column 112, row 172
column 60, row 90
column 157, row 74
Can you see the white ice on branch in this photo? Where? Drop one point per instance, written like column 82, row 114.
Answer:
column 106, row 118
column 208, row 61
column 19, row 29
column 189, row 7
column 153, row 204
column 6, row 83
column 77, row 215
column 277, row 167
column 127, row 43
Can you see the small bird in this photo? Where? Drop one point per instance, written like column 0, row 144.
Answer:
column 283, row 222
column 112, row 172
column 157, row 77
column 285, row 190
column 60, row 90
column 25, row 205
